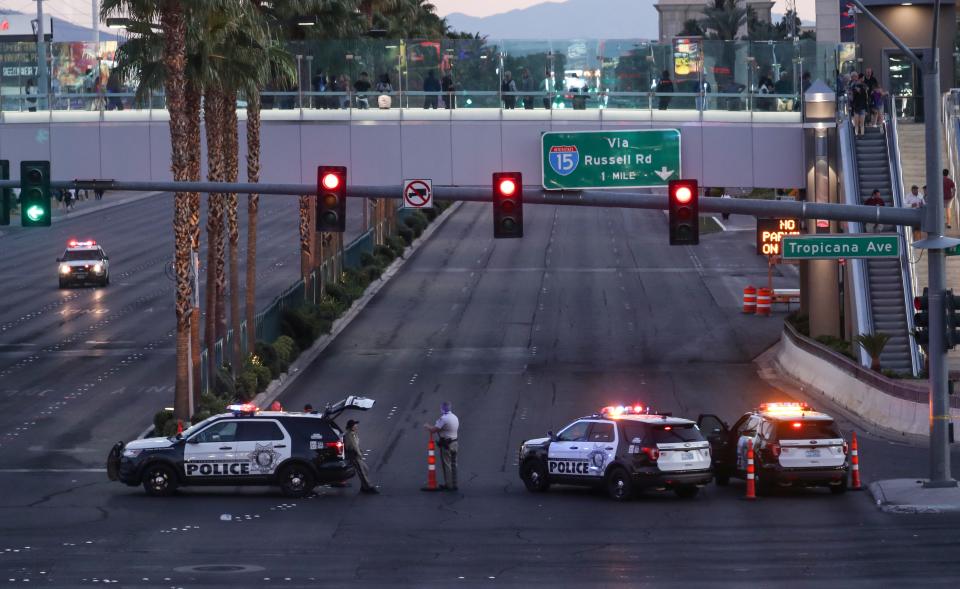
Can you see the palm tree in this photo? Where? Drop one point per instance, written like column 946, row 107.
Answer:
column 873, row 344
column 172, row 17
column 723, row 19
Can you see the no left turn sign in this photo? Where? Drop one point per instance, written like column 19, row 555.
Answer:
column 418, row 194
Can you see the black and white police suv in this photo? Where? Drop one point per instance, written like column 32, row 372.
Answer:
column 83, row 262
column 295, row 451
column 793, row 446
column 622, row 448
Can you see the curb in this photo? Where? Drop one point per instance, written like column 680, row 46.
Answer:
column 881, row 502
column 280, row 385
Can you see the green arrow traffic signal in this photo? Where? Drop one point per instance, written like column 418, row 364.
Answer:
column 35, row 194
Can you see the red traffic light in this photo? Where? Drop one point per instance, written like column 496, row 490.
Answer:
column 507, row 187
column 683, row 194
column 330, row 181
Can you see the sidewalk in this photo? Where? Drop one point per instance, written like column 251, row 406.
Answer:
column 909, row 496
column 736, row 222
column 88, row 206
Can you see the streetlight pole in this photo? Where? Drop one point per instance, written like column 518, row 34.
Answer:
column 43, row 86
column 935, row 243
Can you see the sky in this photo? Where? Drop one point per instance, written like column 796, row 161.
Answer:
column 79, row 11
column 806, row 8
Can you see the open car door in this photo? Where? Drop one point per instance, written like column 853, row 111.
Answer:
column 352, row 402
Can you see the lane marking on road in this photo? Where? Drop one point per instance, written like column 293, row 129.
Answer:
column 48, row 470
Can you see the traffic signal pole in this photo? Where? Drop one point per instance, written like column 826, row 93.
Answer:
column 935, row 244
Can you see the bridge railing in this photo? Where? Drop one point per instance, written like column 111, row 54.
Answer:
column 471, row 73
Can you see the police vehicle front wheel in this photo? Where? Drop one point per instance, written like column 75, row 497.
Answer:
column 534, row 476
column 619, row 485
column 296, row 480
column 159, row 480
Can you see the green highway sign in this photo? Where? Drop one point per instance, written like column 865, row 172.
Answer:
column 610, row 159
column 832, row 247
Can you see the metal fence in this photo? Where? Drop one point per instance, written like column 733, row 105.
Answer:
column 268, row 323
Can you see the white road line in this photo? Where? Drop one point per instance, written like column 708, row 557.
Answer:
column 43, row 470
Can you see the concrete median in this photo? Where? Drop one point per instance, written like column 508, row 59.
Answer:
column 897, row 408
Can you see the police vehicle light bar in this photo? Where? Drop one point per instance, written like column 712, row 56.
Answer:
column 243, row 409
column 618, row 410
column 75, row 243
column 785, row 407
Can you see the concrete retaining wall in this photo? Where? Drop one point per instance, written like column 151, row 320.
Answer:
column 892, row 405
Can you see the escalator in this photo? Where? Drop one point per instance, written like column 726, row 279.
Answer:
column 882, row 288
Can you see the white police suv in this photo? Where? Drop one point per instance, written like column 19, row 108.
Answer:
column 793, row 446
column 295, row 451
column 83, row 262
column 623, row 449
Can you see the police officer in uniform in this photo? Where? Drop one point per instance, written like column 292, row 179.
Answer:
column 351, row 443
column 446, row 429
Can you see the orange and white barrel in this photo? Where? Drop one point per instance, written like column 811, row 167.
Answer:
column 764, row 299
column 750, row 300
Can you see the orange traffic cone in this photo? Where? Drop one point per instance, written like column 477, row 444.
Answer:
column 855, row 464
column 750, row 300
column 179, row 426
column 751, row 483
column 431, row 467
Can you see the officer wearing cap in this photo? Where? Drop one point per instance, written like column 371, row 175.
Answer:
column 446, row 429
column 351, row 442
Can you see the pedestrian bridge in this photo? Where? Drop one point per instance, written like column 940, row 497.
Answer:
column 763, row 149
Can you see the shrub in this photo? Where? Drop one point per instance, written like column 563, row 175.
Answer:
column 430, row 214
column 298, row 324
column 397, row 244
column 416, row 222
column 800, row 322
column 268, row 357
column 368, row 259
column 406, row 234
column 328, row 309
column 160, row 420
column 353, row 277
column 340, row 294
column 283, row 346
column 838, row 345
column 169, row 428
column 223, row 384
column 247, row 384
column 373, row 272
column 385, row 253
column 263, row 377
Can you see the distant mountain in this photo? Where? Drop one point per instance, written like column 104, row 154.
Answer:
column 574, row 19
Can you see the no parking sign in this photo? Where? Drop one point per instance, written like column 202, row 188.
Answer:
column 418, row 194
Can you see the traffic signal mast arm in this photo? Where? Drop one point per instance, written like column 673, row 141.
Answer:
column 534, row 195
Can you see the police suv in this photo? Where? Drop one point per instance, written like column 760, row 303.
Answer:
column 82, row 262
column 793, row 446
column 621, row 448
column 295, row 451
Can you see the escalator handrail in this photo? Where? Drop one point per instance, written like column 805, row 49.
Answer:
column 858, row 266
column 905, row 235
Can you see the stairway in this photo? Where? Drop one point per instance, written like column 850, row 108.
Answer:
column 888, row 308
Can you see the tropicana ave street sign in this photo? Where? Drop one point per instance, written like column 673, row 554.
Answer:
column 832, row 247
column 610, row 159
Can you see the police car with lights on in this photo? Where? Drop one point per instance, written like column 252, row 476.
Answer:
column 82, row 262
column 295, row 451
column 622, row 449
column 793, row 446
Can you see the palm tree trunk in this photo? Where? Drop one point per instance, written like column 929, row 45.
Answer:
column 174, row 28
column 214, row 224
column 306, row 230
column 232, row 164
column 253, row 206
column 193, row 164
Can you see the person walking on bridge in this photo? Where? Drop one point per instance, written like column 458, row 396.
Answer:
column 446, row 429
